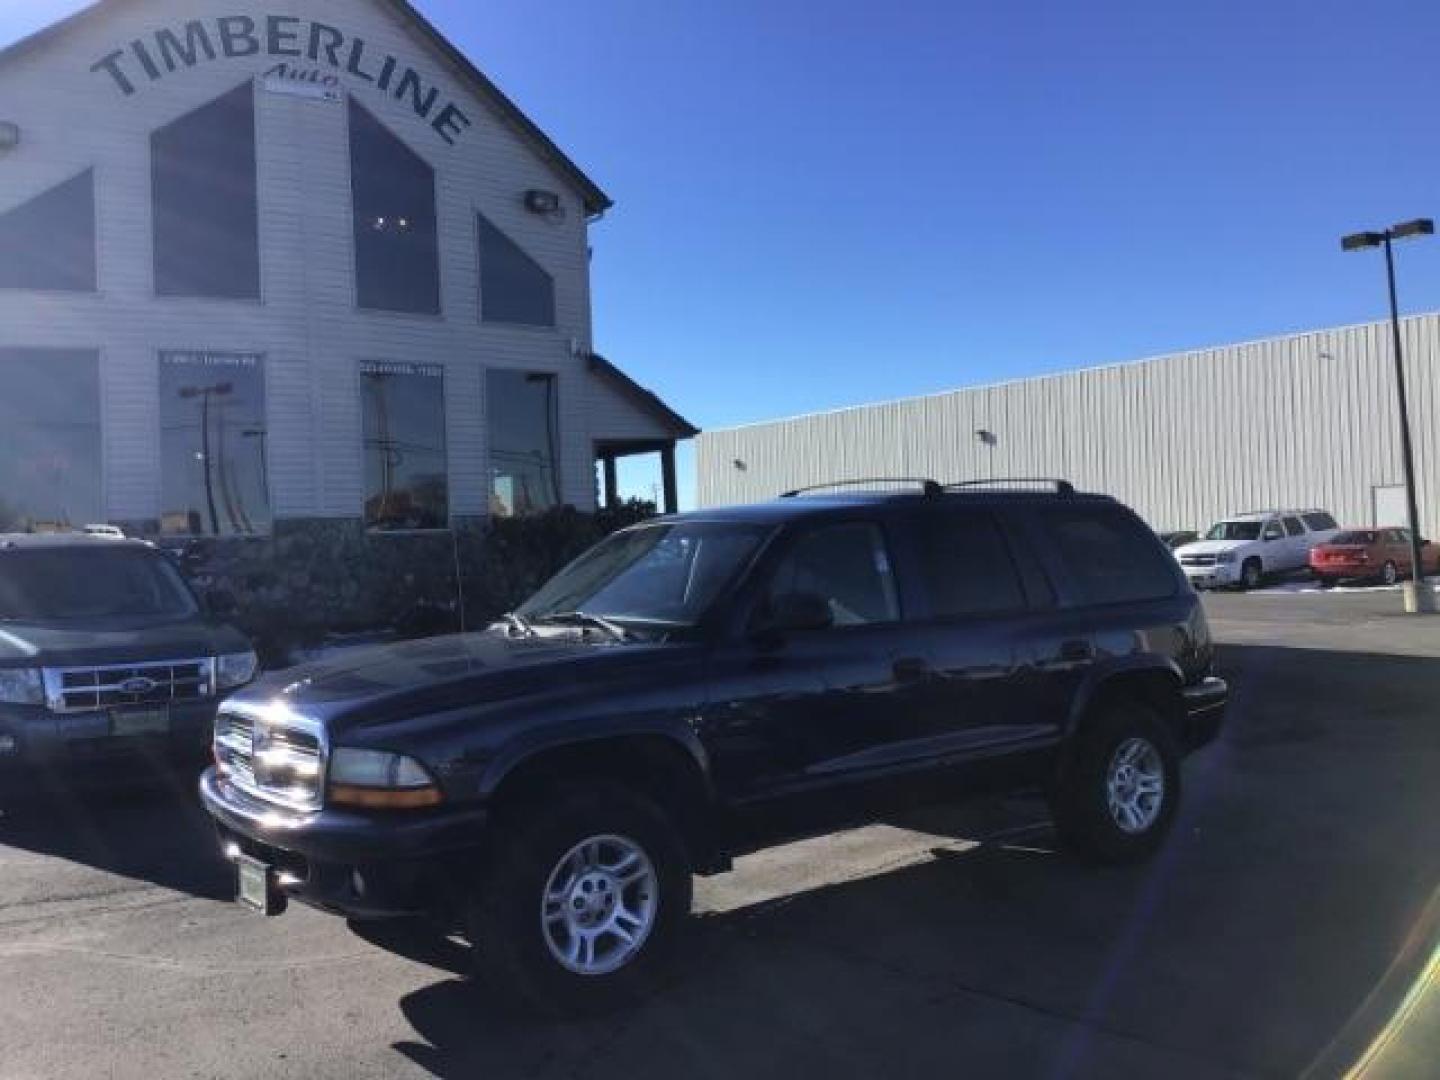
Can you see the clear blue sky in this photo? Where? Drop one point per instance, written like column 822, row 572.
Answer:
column 828, row 204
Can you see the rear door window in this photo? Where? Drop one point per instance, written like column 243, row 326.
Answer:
column 1108, row 555
column 965, row 564
column 1320, row 521
column 848, row 565
column 1293, row 526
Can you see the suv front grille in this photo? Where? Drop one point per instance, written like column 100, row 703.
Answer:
column 1197, row 560
column 87, row 689
column 272, row 753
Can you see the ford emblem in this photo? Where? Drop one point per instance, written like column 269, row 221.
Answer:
column 138, row 684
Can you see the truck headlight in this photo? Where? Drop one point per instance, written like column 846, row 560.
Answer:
column 22, row 686
column 235, row 669
column 380, row 780
column 1225, row 556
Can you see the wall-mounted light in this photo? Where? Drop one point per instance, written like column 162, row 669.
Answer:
column 741, row 466
column 538, row 201
column 9, row 135
column 989, row 438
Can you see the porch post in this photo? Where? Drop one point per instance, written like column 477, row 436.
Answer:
column 667, row 476
column 612, row 484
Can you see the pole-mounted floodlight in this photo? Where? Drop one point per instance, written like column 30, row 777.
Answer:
column 1423, row 599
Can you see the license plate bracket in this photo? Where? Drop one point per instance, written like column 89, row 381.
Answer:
column 256, row 888
column 128, row 723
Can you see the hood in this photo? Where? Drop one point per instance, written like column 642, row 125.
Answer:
column 1212, row 547
column 66, row 643
column 387, row 682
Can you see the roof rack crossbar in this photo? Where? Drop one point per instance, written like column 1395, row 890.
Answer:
column 930, row 488
column 1062, row 487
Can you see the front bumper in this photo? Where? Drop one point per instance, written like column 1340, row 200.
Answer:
column 40, row 748
column 352, row 863
column 1205, row 703
column 1215, row 576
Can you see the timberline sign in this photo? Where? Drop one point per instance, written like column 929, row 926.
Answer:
column 285, row 38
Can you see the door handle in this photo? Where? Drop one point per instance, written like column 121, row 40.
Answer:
column 1076, row 651
column 910, row 669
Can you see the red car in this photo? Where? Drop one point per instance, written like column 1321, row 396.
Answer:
column 1382, row 554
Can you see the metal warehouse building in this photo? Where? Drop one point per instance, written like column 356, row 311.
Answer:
column 1306, row 420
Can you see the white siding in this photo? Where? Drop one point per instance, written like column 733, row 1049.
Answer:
column 1305, row 420
column 307, row 325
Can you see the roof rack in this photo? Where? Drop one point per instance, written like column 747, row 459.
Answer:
column 929, row 488
column 1061, row 487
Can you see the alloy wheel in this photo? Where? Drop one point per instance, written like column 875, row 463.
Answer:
column 599, row 905
column 1135, row 785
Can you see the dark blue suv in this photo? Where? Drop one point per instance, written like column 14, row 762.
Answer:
column 709, row 683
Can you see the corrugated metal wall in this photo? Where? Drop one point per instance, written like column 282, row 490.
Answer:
column 1305, row 420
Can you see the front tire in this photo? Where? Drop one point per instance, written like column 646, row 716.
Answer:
column 1116, row 800
column 1252, row 575
column 582, row 904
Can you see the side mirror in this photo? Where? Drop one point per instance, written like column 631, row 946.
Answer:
column 221, row 603
column 798, row 611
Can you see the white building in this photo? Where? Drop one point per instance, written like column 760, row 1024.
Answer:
column 274, row 265
column 1306, row 420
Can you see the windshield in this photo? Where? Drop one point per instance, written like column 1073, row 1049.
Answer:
column 667, row 574
column 90, row 583
column 1359, row 536
column 1234, row 530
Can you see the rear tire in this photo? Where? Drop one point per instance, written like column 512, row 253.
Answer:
column 1325, row 582
column 583, row 901
column 1116, row 800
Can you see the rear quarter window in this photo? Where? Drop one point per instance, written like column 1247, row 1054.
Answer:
column 1320, row 522
column 1108, row 555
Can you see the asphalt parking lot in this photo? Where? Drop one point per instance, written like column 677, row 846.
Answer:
column 1292, row 901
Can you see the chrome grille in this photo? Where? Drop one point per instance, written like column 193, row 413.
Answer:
column 165, row 682
column 1197, row 560
column 272, row 753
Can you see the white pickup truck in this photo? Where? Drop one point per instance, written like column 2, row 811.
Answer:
column 1246, row 549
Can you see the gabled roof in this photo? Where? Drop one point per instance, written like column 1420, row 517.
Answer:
column 648, row 400
column 595, row 200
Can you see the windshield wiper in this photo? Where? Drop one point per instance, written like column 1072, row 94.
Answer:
column 516, row 624
column 584, row 618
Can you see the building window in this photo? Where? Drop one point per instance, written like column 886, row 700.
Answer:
column 397, row 264
column 406, row 485
column 514, row 288
column 522, row 411
column 49, row 440
column 49, row 242
column 207, row 220
column 213, row 452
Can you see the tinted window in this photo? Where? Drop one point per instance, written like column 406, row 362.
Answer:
column 522, row 412
column 49, row 439
column 206, row 216
column 1355, row 536
column 90, row 583
column 397, row 265
column 1293, row 526
column 1109, row 555
column 965, row 564
column 406, row 484
column 848, row 566
column 1234, row 530
column 1273, row 531
column 213, row 452
column 514, row 288
column 1320, row 521
column 49, row 242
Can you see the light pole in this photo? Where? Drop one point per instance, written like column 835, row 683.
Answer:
column 1417, row 597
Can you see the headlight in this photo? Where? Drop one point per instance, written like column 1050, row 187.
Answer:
column 22, row 686
column 377, row 779
column 235, row 669
column 1225, row 556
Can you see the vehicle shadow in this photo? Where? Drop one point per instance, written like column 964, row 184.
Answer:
column 152, row 830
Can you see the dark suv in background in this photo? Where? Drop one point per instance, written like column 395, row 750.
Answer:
column 105, row 654
column 706, row 684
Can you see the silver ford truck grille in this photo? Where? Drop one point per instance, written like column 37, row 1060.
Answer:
column 164, row 682
column 272, row 753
